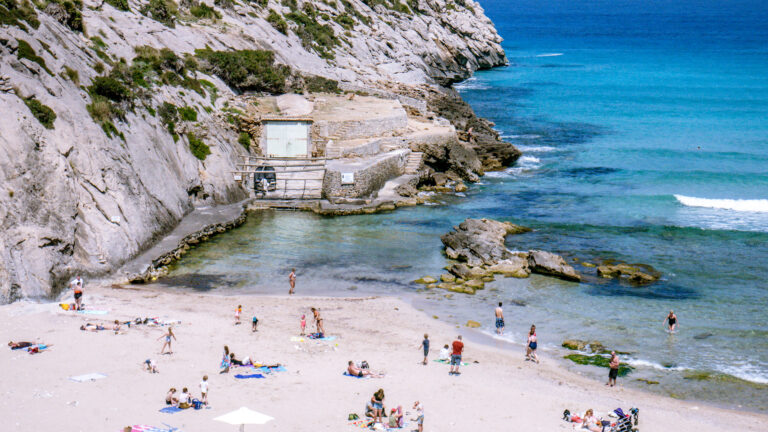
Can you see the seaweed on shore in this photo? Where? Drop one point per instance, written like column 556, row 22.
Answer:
column 598, row 360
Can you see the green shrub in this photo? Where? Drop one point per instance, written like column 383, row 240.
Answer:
column 261, row 3
column 277, row 21
column 314, row 36
column 199, row 149
column 151, row 111
column 99, row 42
column 244, row 140
column 345, row 21
column 43, row 113
column 119, row 5
column 71, row 74
column 187, row 113
column 110, row 88
column 12, row 14
column 99, row 67
column 202, row 10
column 226, row 4
column 74, row 10
column 109, row 128
column 246, row 69
column 290, row 4
column 162, row 11
column 25, row 51
column 318, row 84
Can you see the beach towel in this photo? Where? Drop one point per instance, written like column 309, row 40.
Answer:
column 443, row 361
column 147, row 428
column 353, row 376
column 301, row 339
column 171, row 410
column 267, row 370
column 87, row 377
column 93, row 312
column 241, row 376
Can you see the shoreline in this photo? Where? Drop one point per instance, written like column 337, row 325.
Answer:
column 540, row 392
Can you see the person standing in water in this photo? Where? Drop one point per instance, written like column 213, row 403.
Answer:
column 530, row 349
column 671, row 321
column 499, row 320
column 614, row 369
column 292, row 280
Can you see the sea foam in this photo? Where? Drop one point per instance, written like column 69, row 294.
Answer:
column 550, row 55
column 742, row 205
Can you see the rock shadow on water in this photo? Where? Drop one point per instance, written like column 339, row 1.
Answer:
column 582, row 172
column 196, row 281
column 658, row 291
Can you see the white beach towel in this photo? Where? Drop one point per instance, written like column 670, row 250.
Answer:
column 87, row 377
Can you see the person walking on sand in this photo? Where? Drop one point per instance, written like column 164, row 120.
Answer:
column 254, row 324
column 318, row 321
column 76, row 285
column 458, row 349
column 292, row 280
column 168, row 336
column 204, row 390
column 419, row 415
column 238, row 312
column 425, row 346
column 530, row 349
column 499, row 320
column 671, row 321
column 613, row 372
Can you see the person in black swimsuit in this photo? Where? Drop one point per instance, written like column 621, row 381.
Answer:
column 671, row 321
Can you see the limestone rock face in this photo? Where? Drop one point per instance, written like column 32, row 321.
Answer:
column 480, row 241
column 549, row 264
column 74, row 200
column 514, row 266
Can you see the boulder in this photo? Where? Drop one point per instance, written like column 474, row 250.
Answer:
column 426, row 280
column 474, row 284
column 514, row 266
column 460, row 187
column 549, row 264
column 638, row 274
column 574, row 344
column 440, row 179
column 447, row 277
column 481, row 241
column 450, row 253
column 466, row 272
column 473, row 324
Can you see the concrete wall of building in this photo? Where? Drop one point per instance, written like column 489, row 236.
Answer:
column 370, row 176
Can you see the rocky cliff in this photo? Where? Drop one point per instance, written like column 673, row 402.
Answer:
column 114, row 121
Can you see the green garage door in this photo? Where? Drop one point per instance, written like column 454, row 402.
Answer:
column 287, row 139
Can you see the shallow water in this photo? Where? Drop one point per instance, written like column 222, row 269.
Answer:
column 644, row 127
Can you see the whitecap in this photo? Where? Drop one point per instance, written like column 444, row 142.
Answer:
column 747, row 372
column 652, row 365
column 550, row 55
column 741, row 205
column 523, row 136
column 535, row 149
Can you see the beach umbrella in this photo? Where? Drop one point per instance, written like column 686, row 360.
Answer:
column 244, row 416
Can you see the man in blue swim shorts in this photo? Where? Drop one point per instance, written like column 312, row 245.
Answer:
column 458, row 348
column 499, row 320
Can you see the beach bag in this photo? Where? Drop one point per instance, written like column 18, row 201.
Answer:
column 196, row 404
column 353, row 416
column 364, row 365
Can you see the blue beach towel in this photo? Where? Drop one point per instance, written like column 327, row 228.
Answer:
column 267, row 370
column 93, row 312
column 353, row 376
column 170, row 410
column 241, row 376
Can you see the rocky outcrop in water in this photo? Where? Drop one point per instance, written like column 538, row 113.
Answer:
column 636, row 274
column 479, row 246
column 115, row 126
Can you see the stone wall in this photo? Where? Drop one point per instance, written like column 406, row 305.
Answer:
column 369, row 177
column 353, row 129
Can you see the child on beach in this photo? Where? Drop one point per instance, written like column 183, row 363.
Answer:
column 254, row 324
column 168, row 336
column 171, row 398
column 303, row 324
column 225, row 362
column 185, row 400
column 238, row 311
column 116, row 327
column 425, row 346
column 419, row 415
column 150, row 365
column 204, row 390
column 530, row 349
column 445, row 353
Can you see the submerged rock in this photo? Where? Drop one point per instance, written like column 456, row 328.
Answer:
column 426, row 280
column 547, row 263
column 598, row 360
column 638, row 274
column 448, row 278
column 475, row 284
column 465, row 272
column 473, row 324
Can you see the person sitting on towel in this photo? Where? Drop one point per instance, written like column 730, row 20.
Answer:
column 185, row 400
column 171, row 398
column 19, row 345
column 92, row 327
column 353, row 370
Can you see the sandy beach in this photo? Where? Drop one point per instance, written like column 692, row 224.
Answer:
column 498, row 390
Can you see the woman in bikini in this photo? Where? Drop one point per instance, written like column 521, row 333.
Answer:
column 530, row 350
column 318, row 321
column 378, row 405
column 168, row 336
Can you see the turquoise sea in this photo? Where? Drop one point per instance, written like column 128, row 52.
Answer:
column 644, row 127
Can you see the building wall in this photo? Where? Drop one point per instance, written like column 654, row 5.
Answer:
column 368, row 179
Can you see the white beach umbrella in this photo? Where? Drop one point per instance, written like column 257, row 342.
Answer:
column 244, row 416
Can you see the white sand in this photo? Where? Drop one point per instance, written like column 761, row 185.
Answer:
column 500, row 393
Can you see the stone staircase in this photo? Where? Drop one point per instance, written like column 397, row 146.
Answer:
column 332, row 150
column 413, row 163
